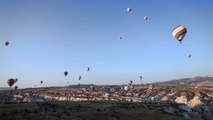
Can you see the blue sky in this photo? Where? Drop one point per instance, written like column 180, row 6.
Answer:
column 48, row 37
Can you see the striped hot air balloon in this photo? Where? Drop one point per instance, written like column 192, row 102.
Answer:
column 179, row 32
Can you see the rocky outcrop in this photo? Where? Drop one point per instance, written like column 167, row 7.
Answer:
column 26, row 99
column 181, row 99
column 195, row 102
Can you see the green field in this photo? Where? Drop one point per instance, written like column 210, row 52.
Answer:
column 84, row 111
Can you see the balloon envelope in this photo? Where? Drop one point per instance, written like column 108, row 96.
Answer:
column 88, row 68
column 79, row 77
column 145, row 18
column 16, row 87
column 140, row 77
column 6, row 43
column 65, row 73
column 179, row 32
column 10, row 82
column 16, row 79
column 130, row 82
column 129, row 9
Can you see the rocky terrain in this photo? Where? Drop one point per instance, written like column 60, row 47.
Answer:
column 182, row 100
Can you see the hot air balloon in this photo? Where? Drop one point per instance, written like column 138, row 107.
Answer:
column 129, row 9
column 145, row 18
column 130, row 82
column 6, row 43
column 16, row 87
column 179, row 32
column 189, row 55
column 120, row 38
column 41, row 82
column 10, row 82
column 79, row 77
column 88, row 68
column 16, row 80
column 65, row 73
column 126, row 88
column 140, row 77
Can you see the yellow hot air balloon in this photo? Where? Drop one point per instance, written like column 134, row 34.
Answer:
column 179, row 32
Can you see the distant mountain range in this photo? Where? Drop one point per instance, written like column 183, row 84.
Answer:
column 6, row 88
column 196, row 81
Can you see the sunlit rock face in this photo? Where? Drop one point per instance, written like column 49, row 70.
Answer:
column 181, row 99
column 195, row 102
column 26, row 99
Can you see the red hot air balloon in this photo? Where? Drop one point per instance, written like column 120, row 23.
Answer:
column 10, row 82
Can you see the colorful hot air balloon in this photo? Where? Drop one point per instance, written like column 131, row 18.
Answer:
column 65, row 73
column 10, row 82
column 6, row 43
column 129, row 9
column 179, row 32
column 145, row 18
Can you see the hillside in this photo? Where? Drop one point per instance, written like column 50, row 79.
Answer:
column 196, row 81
